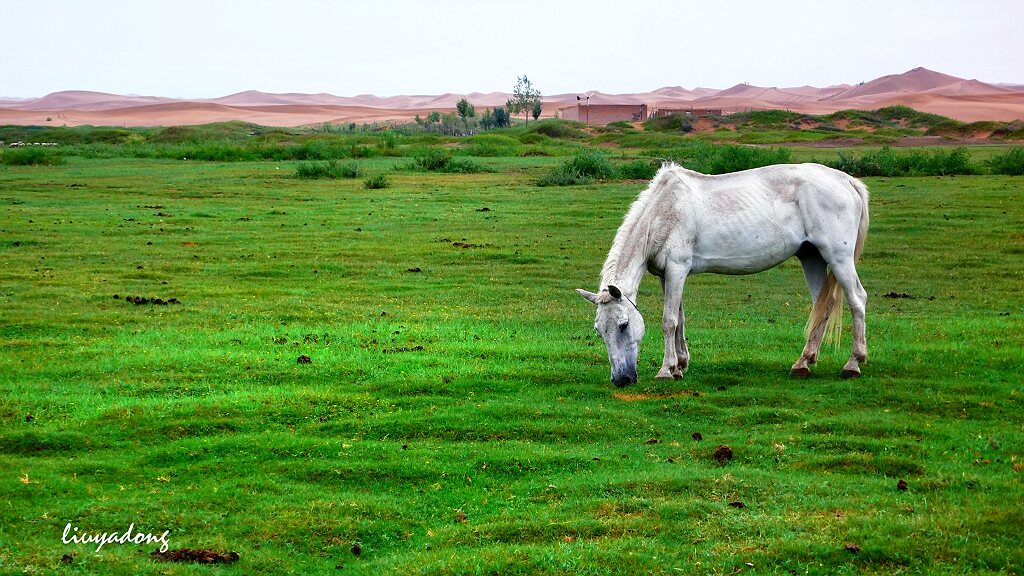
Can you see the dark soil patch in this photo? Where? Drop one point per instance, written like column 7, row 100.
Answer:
column 723, row 454
column 697, row 436
column 142, row 301
column 195, row 556
column 897, row 295
column 304, row 360
column 464, row 243
column 416, row 269
column 652, row 441
column 901, row 485
column 400, row 349
column 737, row 504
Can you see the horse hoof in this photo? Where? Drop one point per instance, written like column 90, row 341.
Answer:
column 847, row 374
column 800, row 372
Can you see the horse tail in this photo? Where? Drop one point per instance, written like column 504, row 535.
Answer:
column 829, row 302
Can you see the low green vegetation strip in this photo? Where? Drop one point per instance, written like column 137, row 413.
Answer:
column 389, row 372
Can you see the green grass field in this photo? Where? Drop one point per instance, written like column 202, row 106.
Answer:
column 455, row 415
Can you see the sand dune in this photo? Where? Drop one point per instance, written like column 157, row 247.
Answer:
column 920, row 88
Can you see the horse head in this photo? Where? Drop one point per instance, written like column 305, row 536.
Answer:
column 622, row 327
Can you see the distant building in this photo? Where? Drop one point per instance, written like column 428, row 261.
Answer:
column 604, row 113
column 691, row 112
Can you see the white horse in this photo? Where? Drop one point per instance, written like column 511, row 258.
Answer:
column 686, row 223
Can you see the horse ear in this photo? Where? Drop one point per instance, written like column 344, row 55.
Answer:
column 590, row 296
column 614, row 291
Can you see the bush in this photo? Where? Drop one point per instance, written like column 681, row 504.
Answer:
column 888, row 162
column 1010, row 164
column 721, row 159
column 638, row 170
column 676, row 122
column 31, row 156
column 557, row 129
column 533, row 138
column 331, row 169
column 564, row 175
column 592, row 164
column 434, row 160
column 377, row 182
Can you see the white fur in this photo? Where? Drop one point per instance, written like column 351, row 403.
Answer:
column 687, row 223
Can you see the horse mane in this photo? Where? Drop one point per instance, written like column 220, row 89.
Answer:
column 636, row 223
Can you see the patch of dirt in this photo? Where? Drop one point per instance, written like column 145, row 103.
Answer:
column 851, row 547
column 737, row 504
column 401, row 349
column 464, row 243
column 195, row 556
column 141, row 301
column 901, row 485
column 304, row 360
column 697, row 436
column 723, row 454
column 895, row 295
column 662, row 396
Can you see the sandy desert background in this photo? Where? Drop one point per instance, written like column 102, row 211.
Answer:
column 922, row 89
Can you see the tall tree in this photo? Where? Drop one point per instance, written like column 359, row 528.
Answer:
column 524, row 98
column 500, row 117
column 466, row 111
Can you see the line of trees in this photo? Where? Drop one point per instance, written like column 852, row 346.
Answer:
column 525, row 100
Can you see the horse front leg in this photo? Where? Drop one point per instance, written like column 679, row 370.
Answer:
column 677, row 356
column 682, row 350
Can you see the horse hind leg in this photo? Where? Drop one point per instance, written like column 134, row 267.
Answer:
column 816, row 274
column 857, row 298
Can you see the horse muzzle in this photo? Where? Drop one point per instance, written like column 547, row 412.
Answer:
column 622, row 380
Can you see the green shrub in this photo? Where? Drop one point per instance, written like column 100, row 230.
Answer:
column 1010, row 164
column 377, row 182
column 31, row 156
column 330, row 169
column 676, row 122
column 434, row 160
column 533, row 138
column 361, row 151
column 639, row 170
column 557, row 129
column 888, row 162
column 564, row 175
column 721, row 159
column 592, row 164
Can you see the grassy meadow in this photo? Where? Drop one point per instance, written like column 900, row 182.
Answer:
column 327, row 378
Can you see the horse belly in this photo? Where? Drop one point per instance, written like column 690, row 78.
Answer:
column 746, row 246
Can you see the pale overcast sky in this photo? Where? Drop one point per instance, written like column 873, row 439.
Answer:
column 210, row 48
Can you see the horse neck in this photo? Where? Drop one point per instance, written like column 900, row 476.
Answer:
column 627, row 260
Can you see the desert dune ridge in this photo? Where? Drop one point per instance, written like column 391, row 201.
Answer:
column 922, row 89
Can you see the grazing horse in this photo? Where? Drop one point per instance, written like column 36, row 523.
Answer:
column 687, row 223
